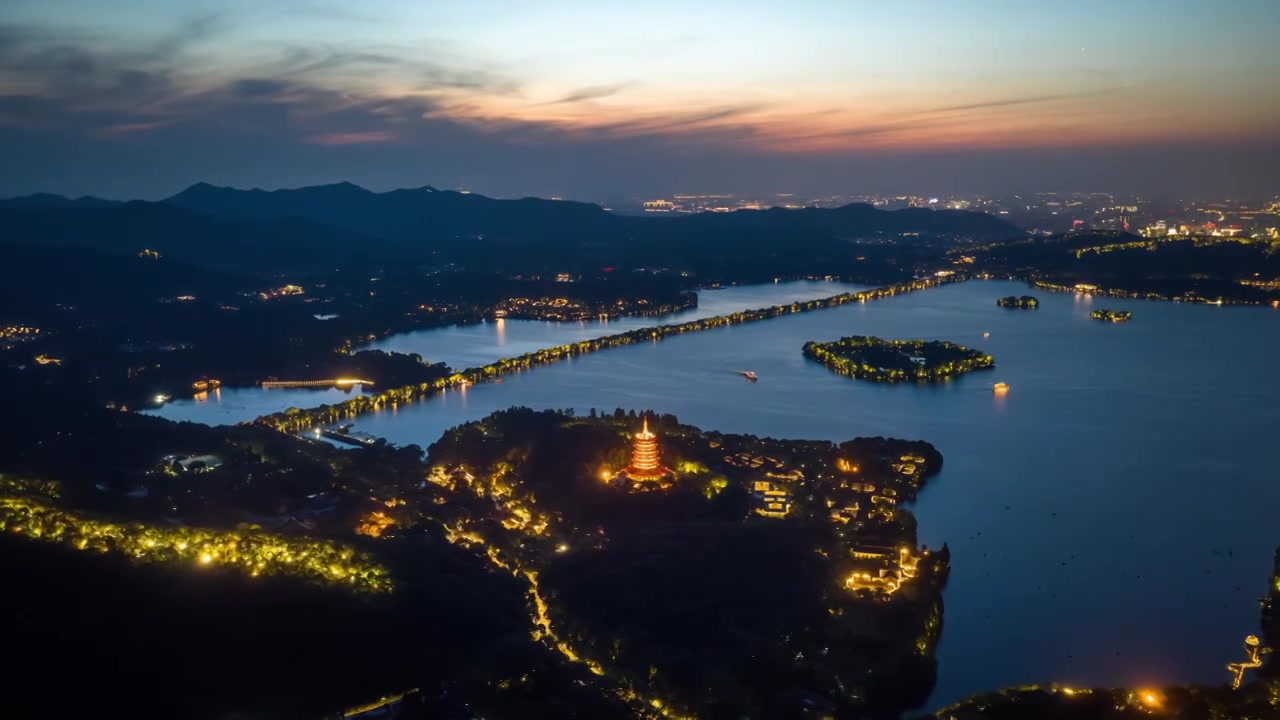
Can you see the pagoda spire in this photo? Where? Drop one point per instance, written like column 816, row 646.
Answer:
column 645, row 457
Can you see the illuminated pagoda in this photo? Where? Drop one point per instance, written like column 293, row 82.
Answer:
column 645, row 460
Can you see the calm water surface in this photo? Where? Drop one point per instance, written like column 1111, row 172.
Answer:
column 1099, row 515
column 467, row 346
column 474, row 345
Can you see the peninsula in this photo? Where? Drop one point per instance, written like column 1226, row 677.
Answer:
column 674, row 589
column 896, row 361
column 1194, row 269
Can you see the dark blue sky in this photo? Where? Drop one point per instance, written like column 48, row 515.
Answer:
column 598, row 99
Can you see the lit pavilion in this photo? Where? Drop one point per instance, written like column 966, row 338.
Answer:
column 646, row 461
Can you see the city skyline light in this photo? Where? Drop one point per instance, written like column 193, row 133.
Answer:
column 573, row 98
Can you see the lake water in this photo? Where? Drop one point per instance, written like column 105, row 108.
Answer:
column 1100, row 515
column 465, row 346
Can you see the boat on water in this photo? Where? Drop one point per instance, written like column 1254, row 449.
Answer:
column 1000, row 387
column 986, row 334
column 748, row 375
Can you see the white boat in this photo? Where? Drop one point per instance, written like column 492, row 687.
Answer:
column 748, row 375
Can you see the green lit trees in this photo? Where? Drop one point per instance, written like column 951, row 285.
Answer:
column 1018, row 302
column 896, row 361
column 1105, row 315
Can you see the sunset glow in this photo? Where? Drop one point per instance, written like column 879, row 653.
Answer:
column 776, row 79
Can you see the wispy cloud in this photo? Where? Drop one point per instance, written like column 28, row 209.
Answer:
column 1025, row 100
column 594, row 92
column 658, row 123
column 185, row 90
column 415, row 71
column 130, row 128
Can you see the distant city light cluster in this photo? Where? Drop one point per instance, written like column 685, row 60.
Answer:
column 1039, row 213
column 285, row 291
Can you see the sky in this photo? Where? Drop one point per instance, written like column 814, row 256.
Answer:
column 601, row 99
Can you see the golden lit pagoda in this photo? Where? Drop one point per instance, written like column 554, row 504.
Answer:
column 645, row 459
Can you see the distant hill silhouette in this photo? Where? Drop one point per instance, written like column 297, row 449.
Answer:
column 418, row 214
column 429, row 213
column 343, row 225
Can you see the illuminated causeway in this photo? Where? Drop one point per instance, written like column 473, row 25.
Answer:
column 336, row 382
column 394, row 397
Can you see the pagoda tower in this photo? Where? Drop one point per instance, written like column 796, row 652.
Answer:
column 645, row 458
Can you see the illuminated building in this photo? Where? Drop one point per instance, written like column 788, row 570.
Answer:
column 1255, row 650
column 659, row 206
column 646, row 461
column 772, row 500
column 882, row 569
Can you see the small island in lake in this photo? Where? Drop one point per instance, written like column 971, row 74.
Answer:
column 893, row 361
column 1018, row 302
column 1110, row 315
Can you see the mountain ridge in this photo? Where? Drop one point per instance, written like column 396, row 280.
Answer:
column 53, row 200
column 344, row 225
column 426, row 211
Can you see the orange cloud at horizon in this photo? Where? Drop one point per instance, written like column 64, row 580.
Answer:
column 1089, row 117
